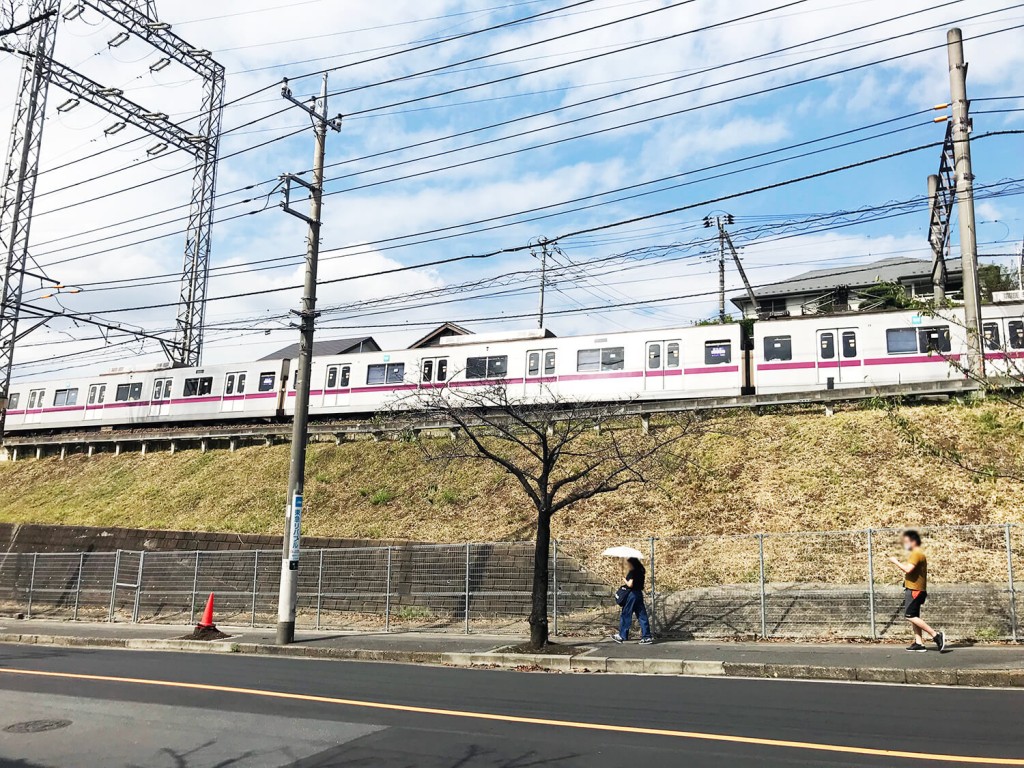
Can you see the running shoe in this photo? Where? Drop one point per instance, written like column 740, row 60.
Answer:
column 916, row 648
column 940, row 641
column 646, row 641
column 618, row 638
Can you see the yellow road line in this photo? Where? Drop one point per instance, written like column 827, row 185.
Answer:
column 717, row 737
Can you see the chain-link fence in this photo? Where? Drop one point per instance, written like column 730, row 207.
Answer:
column 808, row 585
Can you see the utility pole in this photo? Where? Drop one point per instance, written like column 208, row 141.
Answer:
column 723, row 237
column 288, row 593
column 543, row 242
column 961, row 136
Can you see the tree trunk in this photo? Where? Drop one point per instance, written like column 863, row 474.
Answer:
column 539, row 596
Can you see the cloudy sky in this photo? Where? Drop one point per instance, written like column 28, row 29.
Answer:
column 458, row 141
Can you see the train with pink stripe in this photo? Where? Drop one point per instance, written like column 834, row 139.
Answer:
column 786, row 355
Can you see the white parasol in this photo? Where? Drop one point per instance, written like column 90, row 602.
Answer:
column 623, row 552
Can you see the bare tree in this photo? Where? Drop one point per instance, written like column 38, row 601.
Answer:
column 559, row 452
column 12, row 23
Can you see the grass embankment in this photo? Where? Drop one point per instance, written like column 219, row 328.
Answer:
column 778, row 472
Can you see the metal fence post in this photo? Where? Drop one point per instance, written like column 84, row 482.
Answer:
column 113, row 584
column 654, row 590
column 319, row 588
column 387, row 595
column 195, row 586
column 138, row 588
column 31, row 585
column 255, row 586
column 467, row 587
column 1009, row 578
column 78, row 585
column 871, row 582
column 554, row 587
column 764, row 607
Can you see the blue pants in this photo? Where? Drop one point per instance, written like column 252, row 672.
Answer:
column 634, row 605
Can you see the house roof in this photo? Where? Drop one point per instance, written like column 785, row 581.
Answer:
column 329, row 347
column 891, row 270
column 445, row 329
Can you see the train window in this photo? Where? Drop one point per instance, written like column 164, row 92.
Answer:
column 427, row 370
column 62, row 397
column 717, row 352
column 990, row 331
column 240, row 386
column 900, row 341
column 549, row 363
column 346, row 375
column 653, row 357
column 533, row 364
column 442, row 369
column 198, row 387
column 121, row 395
column 229, row 386
column 385, row 373
column 778, row 348
column 332, row 377
column 102, row 394
column 12, row 401
column 267, row 381
column 97, row 393
column 135, row 393
column 827, row 342
column 849, row 343
column 32, row 399
column 672, row 354
column 1015, row 330
column 491, row 367
column 613, row 358
column 588, row 360
column 934, row 339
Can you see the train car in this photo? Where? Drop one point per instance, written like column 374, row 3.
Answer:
column 803, row 354
column 671, row 363
column 125, row 397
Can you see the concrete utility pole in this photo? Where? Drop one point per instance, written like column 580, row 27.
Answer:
column 543, row 280
column 288, row 593
column 961, row 135
column 721, row 272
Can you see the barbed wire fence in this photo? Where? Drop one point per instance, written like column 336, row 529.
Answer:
column 772, row 585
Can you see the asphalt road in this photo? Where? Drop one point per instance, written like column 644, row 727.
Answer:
column 85, row 708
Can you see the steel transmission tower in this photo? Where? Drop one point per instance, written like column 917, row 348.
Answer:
column 40, row 70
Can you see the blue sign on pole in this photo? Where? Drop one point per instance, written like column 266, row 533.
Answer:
column 296, row 527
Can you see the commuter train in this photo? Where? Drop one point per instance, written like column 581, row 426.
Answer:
column 789, row 355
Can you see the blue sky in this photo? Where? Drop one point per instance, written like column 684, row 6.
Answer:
column 729, row 52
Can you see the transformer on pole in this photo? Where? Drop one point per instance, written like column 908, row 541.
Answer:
column 39, row 71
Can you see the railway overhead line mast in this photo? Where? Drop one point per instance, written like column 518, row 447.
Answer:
column 40, row 71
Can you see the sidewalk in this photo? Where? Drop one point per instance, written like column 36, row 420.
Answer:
column 977, row 665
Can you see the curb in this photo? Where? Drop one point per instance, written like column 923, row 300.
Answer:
column 974, row 678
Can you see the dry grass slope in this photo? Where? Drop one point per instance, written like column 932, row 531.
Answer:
column 778, row 472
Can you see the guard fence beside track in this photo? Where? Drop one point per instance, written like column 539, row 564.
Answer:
column 772, row 585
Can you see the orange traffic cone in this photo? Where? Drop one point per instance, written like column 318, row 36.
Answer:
column 207, row 621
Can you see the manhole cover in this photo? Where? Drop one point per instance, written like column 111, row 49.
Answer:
column 37, row 726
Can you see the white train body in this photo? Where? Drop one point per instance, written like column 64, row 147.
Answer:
column 794, row 355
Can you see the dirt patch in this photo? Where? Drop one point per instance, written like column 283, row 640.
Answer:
column 205, row 634
column 551, row 649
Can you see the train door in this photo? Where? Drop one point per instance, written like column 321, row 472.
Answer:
column 663, row 369
column 34, row 412
column 838, row 356
column 97, row 396
column 336, row 385
column 160, row 403
column 234, row 392
column 541, row 365
column 434, row 371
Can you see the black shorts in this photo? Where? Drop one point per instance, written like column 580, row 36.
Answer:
column 912, row 602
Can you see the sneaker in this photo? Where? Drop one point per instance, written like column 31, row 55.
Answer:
column 618, row 638
column 916, row 648
column 940, row 641
column 646, row 641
